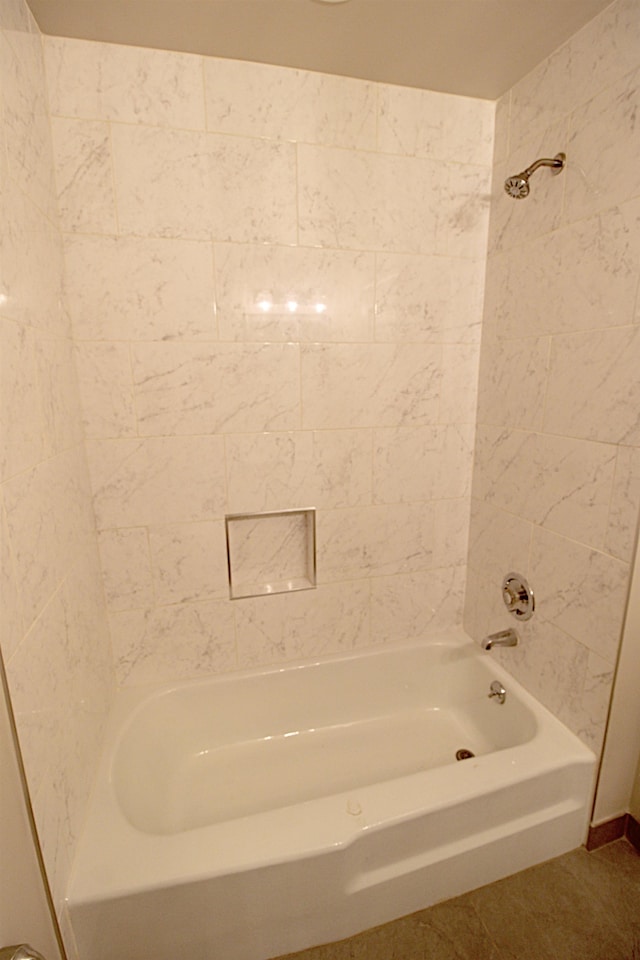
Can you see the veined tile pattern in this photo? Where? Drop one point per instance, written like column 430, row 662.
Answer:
column 54, row 632
column 556, row 485
column 276, row 307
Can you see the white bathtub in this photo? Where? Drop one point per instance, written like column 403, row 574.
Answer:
column 258, row 814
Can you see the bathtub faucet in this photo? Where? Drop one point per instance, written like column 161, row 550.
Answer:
column 504, row 638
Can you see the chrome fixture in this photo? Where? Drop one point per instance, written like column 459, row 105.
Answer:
column 518, row 185
column 518, row 596
column 503, row 638
column 498, row 691
column 21, row 951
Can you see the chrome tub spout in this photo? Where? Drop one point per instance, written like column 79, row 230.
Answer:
column 504, row 638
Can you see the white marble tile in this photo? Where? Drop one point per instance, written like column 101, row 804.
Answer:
column 464, row 211
column 412, row 464
column 108, row 81
column 544, row 95
column 559, row 483
column 512, row 380
column 344, row 385
column 625, row 504
column 374, row 541
column 42, row 663
column 293, row 293
column 278, row 471
column 498, row 542
column 126, row 568
column 607, row 47
column 603, row 145
column 11, row 622
column 260, row 100
column 424, row 123
column 568, row 486
column 252, row 190
column 335, row 206
column 468, row 129
column 580, row 277
column 149, row 481
column 311, row 623
column 197, row 186
column 104, row 378
column 501, row 148
column 63, row 537
column 412, row 606
column 602, row 52
column 593, row 389
column 548, row 662
column 334, row 618
column 459, row 390
column 260, row 624
column 162, row 182
column 33, row 523
column 478, row 619
column 410, row 121
column 71, row 497
column 502, row 460
column 21, row 673
column 133, row 288
column 22, row 422
column 189, row 561
column 25, row 117
column 93, row 679
column 451, row 533
column 32, row 265
column 586, row 711
column 84, row 174
column 173, row 643
column 429, row 299
column 580, row 590
column 59, row 388
column 183, row 388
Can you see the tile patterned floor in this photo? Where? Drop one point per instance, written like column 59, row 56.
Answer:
column 582, row 906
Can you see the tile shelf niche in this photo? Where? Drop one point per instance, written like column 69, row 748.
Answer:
column 271, row 552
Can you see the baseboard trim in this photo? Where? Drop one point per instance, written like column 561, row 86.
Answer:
column 606, row 832
column 633, row 832
column 622, row 826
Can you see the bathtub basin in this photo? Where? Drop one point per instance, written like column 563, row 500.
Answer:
column 257, row 814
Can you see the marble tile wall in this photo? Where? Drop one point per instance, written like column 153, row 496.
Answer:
column 275, row 280
column 556, row 486
column 53, row 626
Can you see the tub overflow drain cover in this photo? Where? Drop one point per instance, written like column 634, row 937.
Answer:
column 464, row 754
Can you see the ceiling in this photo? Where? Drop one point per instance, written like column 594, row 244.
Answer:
column 477, row 48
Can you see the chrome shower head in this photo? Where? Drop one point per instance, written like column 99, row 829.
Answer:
column 518, row 185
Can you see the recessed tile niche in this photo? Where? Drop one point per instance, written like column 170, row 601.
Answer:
column 271, row 552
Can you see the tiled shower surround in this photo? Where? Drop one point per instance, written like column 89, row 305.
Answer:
column 275, row 280
column 199, row 200
column 556, row 485
column 53, row 625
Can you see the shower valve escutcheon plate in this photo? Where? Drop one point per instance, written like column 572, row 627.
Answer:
column 518, row 596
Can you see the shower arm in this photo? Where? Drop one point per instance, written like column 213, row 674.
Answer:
column 557, row 163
